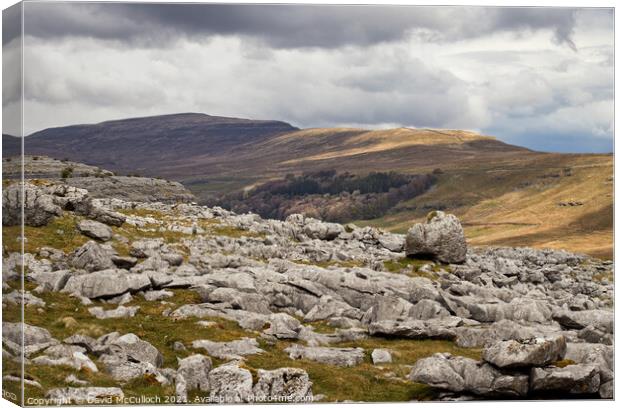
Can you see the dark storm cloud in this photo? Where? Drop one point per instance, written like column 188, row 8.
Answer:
column 288, row 26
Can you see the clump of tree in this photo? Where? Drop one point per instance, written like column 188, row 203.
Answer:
column 328, row 195
column 66, row 172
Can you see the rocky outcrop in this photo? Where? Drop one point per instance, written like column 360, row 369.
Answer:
column 107, row 283
column 38, row 207
column 95, row 229
column 460, row 374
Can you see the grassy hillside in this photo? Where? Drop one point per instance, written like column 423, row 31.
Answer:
column 524, row 203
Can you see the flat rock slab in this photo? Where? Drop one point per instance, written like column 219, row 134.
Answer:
column 461, row 374
column 574, row 379
column 342, row 357
column 229, row 350
column 95, row 229
column 535, row 352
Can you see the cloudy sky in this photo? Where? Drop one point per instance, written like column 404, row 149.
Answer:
column 537, row 77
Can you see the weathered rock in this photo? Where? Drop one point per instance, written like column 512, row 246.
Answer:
column 38, row 207
column 442, row 238
column 535, row 352
column 34, row 338
column 460, row 374
column 118, row 313
column 130, row 347
column 381, row 356
column 283, row 326
column 574, row 379
column 229, row 350
column 154, row 295
column 230, row 384
column 85, row 395
column 106, row 283
column 87, row 342
column 124, row 262
column 95, row 229
column 195, row 371
column 342, row 357
column 91, row 257
column 283, row 385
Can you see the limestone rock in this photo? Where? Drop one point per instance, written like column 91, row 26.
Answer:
column 574, row 379
column 535, row 352
column 381, row 356
column 442, row 238
column 95, row 229
column 283, row 385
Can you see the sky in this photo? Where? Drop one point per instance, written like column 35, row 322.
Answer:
column 535, row 77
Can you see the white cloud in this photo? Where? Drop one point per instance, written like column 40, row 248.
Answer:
column 511, row 83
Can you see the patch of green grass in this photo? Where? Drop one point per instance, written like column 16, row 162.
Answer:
column 365, row 382
column 563, row 363
column 61, row 233
column 413, row 266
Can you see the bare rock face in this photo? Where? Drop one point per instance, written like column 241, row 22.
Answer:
column 91, row 257
column 535, row 352
column 441, row 238
column 460, row 374
column 39, row 207
column 106, row 284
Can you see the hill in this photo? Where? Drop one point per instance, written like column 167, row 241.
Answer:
column 505, row 194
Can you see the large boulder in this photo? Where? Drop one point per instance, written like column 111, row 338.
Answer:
column 229, row 349
column 32, row 338
column 441, row 238
column 95, row 229
column 91, row 257
column 536, row 352
column 38, row 207
column 230, row 384
column 106, row 284
column 195, row 371
column 461, row 374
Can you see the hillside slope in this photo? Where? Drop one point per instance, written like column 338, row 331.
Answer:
column 505, row 194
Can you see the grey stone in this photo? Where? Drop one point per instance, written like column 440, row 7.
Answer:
column 381, row 356
column 229, row 350
column 95, row 229
column 461, row 374
column 536, row 352
column 230, row 384
column 118, row 313
column 106, row 283
column 91, row 257
column 442, row 238
column 38, row 207
column 195, row 370
column 283, row 385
